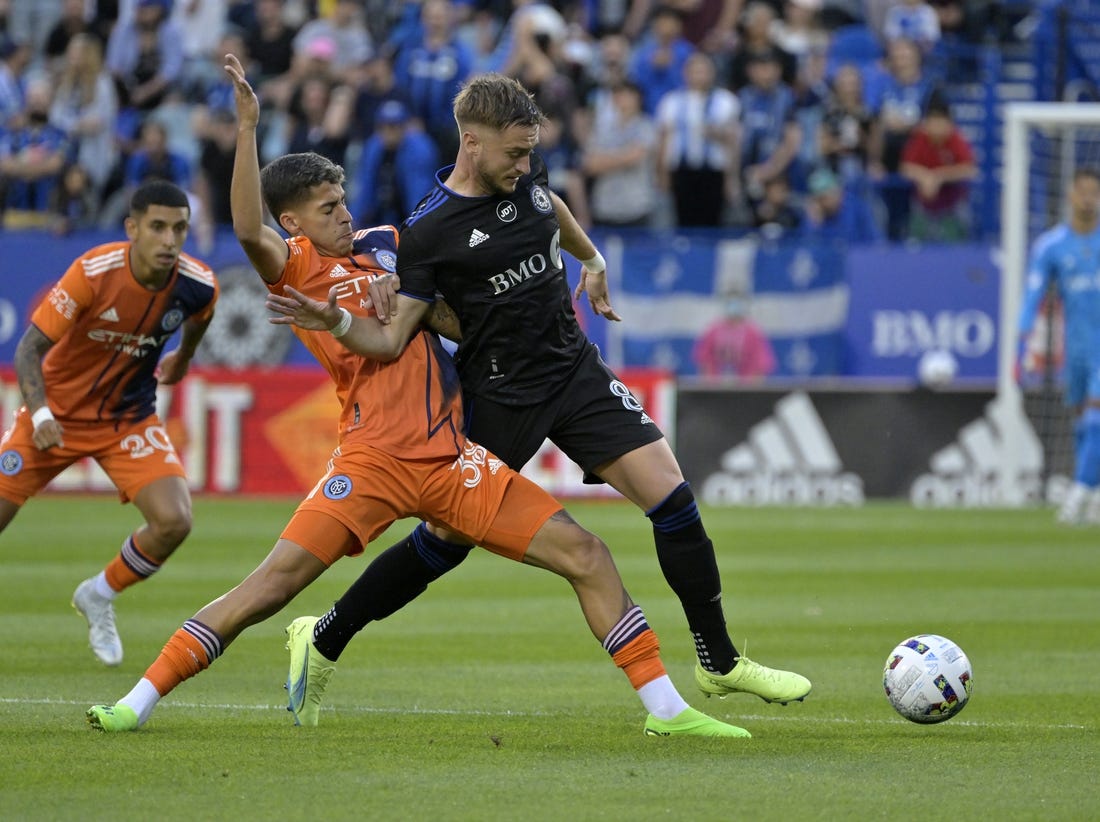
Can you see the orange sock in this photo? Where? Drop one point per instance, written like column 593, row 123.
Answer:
column 189, row 651
column 130, row 565
column 640, row 659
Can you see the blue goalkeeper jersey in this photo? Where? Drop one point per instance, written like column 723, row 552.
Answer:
column 1072, row 262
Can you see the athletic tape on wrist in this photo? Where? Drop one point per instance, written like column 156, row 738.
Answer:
column 341, row 328
column 41, row 415
column 595, row 263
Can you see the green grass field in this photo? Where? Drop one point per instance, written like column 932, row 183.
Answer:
column 488, row 699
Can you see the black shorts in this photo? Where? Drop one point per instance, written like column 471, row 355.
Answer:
column 593, row 418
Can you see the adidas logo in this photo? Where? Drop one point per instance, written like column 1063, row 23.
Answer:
column 477, row 237
column 788, row 459
column 338, row 271
column 968, row 473
column 110, row 315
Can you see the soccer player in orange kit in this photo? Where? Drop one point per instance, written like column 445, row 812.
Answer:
column 88, row 369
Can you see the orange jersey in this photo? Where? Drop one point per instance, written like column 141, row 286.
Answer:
column 109, row 332
column 409, row 408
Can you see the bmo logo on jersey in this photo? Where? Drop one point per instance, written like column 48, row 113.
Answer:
column 531, row 267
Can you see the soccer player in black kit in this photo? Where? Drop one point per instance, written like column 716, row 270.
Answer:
column 480, row 261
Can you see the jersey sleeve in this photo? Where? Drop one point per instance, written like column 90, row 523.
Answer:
column 65, row 302
column 1035, row 282
column 415, row 267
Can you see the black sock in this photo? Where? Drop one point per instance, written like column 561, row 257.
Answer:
column 687, row 559
column 395, row 578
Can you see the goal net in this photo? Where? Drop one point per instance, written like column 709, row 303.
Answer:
column 1044, row 143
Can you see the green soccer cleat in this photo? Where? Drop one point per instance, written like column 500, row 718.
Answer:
column 309, row 672
column 753, row 678
column 691, row 722
column 112, row 718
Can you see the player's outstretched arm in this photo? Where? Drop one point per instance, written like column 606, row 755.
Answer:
column 365, row 336
column 173, row 365
column 593, row 268
column 265, row 248
column 32, row 347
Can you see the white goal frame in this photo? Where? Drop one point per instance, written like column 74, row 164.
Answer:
column 1018, row 118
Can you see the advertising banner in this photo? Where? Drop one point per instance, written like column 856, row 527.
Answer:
column 271, row 432
column 842, row 447
column 906, row 302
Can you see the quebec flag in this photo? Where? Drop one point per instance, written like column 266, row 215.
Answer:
column 669, row 287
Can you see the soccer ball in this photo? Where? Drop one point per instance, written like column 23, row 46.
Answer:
column 928, row 679
column 937, row 367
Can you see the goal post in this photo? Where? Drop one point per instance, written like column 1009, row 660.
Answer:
column 1043, row 143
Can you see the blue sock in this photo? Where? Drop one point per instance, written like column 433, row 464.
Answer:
column 1088, row 450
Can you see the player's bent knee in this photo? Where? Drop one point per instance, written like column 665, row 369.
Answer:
column 171, row 529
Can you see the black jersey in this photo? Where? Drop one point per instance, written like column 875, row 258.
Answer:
column 496, row 261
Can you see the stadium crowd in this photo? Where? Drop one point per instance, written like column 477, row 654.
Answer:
column 786, row 116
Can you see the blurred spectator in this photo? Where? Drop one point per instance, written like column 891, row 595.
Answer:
column 620, row 159
column 145, row 55
column 320, row 119
column 85, row 106
column 605, row 73
column 343, row 34
column 431, row 72
column 73, row 21
column 734, row 345
column 376, row 87
column 657, row 63
column 798, row 32
column 697, row 140
column 14, row 60
column 835, row 210
column 396, row 170
column 709, row 25
column 844, row 135
column 75, row 204
column 201, row 24
column 30, row 21
column 939, row 161
column 775, row 213
column 528, row 19
column 541, row 67
column 270, row 43
column 770, row 132
column 912, row 20
column 756, row 38
column 217, row 148
column 151, row 160
column 896, row 101
column 32, row 157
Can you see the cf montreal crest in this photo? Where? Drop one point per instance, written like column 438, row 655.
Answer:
column 540, row 199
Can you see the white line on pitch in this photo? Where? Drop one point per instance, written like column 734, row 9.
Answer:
column 414, row 709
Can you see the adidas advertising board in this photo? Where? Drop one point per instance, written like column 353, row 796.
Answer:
column 840, row 447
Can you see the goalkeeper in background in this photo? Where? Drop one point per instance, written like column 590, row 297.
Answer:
column 1068, row 256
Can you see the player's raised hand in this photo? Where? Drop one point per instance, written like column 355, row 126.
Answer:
column 295, row 308
column 248, row 106
column 595, row 283
column 382, row 296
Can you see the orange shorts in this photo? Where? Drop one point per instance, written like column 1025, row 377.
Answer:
column 366, row 490
column 133, row 455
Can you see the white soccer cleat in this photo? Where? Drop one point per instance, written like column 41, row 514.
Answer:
column 100, row 613
column 1072, row 511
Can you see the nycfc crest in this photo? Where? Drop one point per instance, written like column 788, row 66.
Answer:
column 540, row 199
column 171, row 319
column 338, row 487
